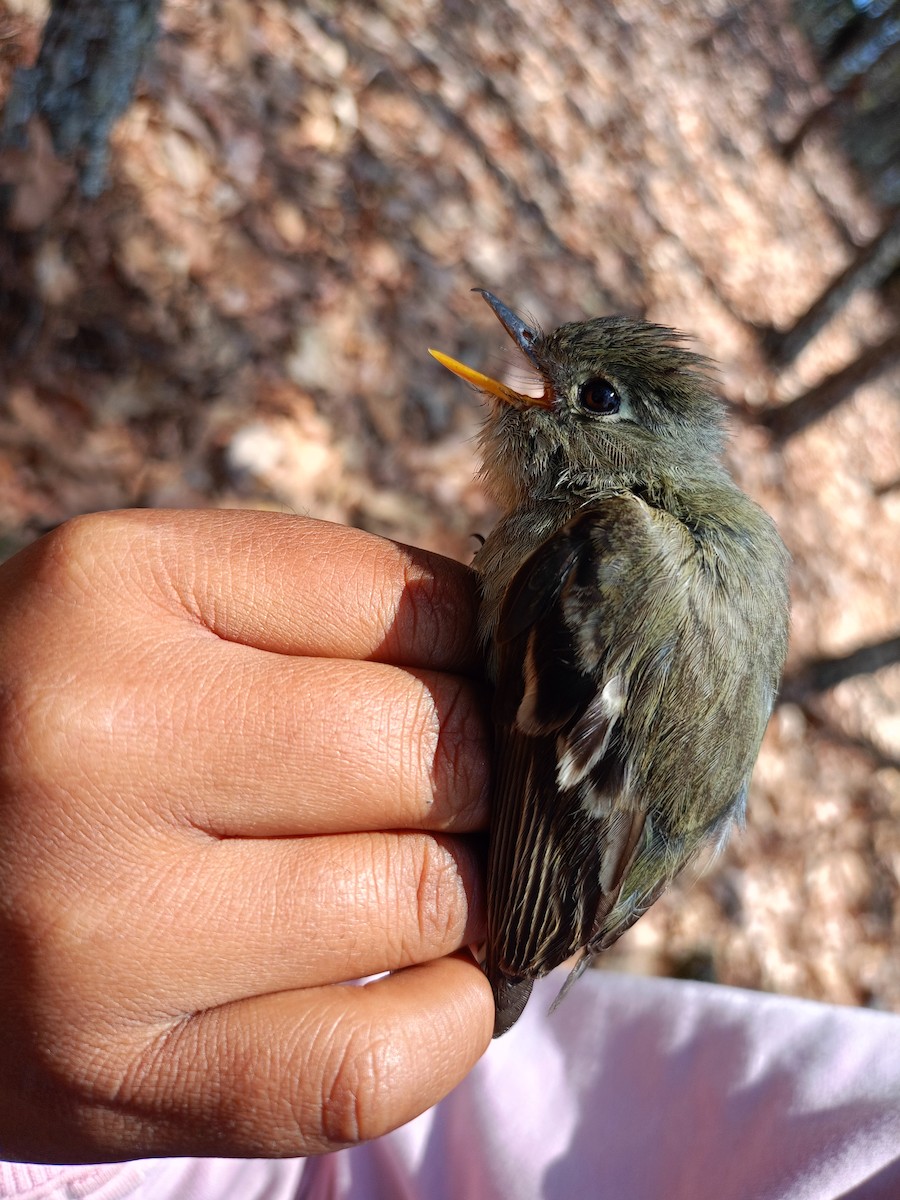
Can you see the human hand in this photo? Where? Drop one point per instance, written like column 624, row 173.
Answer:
column 237, row 755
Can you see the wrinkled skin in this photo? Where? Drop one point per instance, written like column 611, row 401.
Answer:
column 240, row 758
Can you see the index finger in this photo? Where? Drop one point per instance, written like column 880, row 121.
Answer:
column 294, row 585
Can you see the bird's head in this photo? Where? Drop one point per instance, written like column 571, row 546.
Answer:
column 622, row 404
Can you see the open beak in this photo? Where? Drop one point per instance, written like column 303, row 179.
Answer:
column 523, row 336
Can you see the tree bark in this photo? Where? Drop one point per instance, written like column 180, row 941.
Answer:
column 822, row 674
column 872, row 266
column 83, row 80
column 787, row 419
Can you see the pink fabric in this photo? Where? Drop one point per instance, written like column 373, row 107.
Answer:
column 635, row 1089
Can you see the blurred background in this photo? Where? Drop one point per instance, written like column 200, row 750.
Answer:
column 231, row 229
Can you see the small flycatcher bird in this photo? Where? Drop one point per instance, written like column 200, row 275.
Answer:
column 634, row 614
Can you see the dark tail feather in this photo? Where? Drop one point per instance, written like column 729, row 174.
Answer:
column 510, row 997
column 575, row 974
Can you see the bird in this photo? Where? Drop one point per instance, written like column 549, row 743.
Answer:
column 634, row 616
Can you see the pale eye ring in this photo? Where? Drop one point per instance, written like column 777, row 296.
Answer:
column 598, row 397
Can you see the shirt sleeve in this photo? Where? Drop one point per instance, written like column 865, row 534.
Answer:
column 655, row 1089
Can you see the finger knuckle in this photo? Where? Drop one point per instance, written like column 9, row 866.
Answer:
column 438, row 891
column 429, row 612
column 460, row 766
column 356, row 1087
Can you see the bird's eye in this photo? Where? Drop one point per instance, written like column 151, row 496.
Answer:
column 599, row 396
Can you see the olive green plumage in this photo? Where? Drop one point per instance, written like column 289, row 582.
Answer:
column 635, row 616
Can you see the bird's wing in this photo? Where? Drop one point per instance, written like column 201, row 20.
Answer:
column 565, row 826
